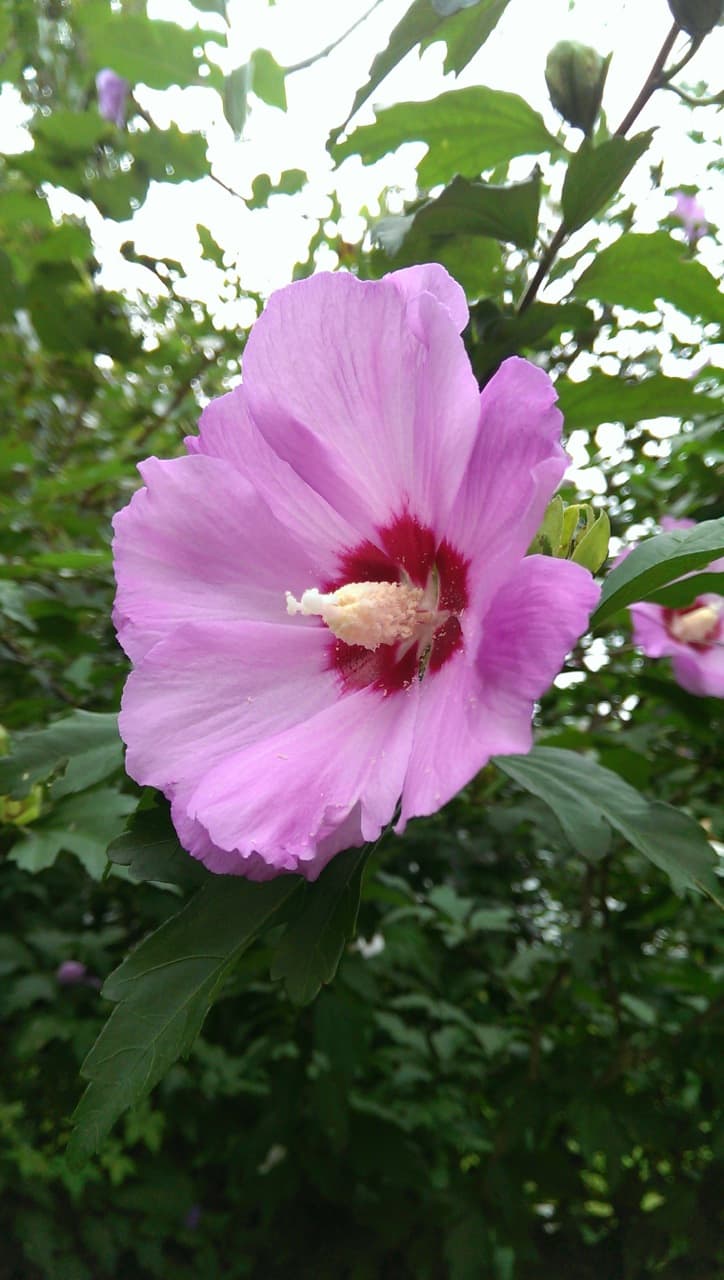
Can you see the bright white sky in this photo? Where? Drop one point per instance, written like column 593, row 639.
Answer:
column 265, row 244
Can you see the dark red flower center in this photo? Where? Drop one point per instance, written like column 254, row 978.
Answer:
column 409, row 552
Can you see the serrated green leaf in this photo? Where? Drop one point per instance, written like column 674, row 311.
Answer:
column 164, row 990
column 310, row 950
column 601, row 397
column 81, row 824
column 465, row 32
column 638, row 270
column 508, row 213
column 140, row 49
column 657, row 561
column 150, row 848
column 595, row 174
column 588, row 799
column 85, row 745
column 466, row 131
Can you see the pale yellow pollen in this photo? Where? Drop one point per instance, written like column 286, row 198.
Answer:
column 694, row 627
column 366, row 613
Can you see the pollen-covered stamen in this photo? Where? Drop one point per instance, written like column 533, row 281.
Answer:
column 367, row 613
column 696, row 626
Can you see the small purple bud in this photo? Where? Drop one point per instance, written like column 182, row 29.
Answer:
column 70, row 973
column 112, row 94
column 193, row 1217
column 692, row 217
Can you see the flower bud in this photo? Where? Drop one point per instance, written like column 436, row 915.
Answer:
column 112, row 94
column 575, row 75
column 697, row 17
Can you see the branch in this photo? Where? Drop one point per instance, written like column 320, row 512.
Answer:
column 323, row 53
column 654, row 80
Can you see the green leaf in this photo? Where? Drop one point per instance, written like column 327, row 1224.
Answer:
column 588, row 799
column 211, row 6
column 682, row 593
column 168, row 155
column 236, row 92
column 262, row 188
column 85, row 745
column 659, row 560
column 150, row 848
column 140, row 49
column 164, row 990
column 312, row 945
column 601, row 397
column 465, row 32
column 473, row 261
column 82, row 824
column 267, row 79
column 548, row 538
column 508, row 213
column 637, row 270
column 595, row 174
column 466, row 131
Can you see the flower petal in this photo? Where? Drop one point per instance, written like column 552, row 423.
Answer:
column 227, row 430
column 432, row 278
column 514, row 469
column 701, row 671
column 210, row 690
column 472, row 711
column 198, row 543
column 650, row 633
column 370, row 397
column 349, row 758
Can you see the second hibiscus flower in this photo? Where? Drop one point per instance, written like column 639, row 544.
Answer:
column 328, row 602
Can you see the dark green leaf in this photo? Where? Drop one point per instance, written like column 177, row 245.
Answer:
column 466, row 131
column 682, row 593
column 85, row 745
column 421, row 24
column 168, row 155
column 600, row 397
column 262, row 188
column 637, row 270
column 657, row 561
column 312, row 945
column 149, row 847
column 595, row 175
column 164, row 990
column 587, row 799
column 508, row 213
column 81, row 824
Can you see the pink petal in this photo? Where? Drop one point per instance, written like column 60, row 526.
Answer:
column 469, row 712
column 210, row 690
column 430, row 277
column 650, row 633
column 346, row 762
column 227, row 431
column 516, row 465
column 668, row 523
column 199, row 544
column 701, row 671
column 368, row 396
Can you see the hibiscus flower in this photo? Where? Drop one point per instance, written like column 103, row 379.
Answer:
column 693, row 637
column 328, row 602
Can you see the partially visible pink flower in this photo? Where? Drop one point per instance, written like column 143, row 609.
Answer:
column 692, row 216
column 112, row 92
column 328, row 602
column 693, row 637
column 70, row 973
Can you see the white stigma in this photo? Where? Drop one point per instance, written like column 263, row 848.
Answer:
column 694, row 627
column 366, row 613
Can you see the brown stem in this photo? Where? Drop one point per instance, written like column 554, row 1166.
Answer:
column 653, row 81
column 323, row 53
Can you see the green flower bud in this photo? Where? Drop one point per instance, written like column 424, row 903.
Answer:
column 20, row 813
column 575, row 75
column 697, row 17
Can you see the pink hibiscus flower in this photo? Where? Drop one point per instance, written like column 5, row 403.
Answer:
column 328, row 603
column 692, row 217
column 693, row 637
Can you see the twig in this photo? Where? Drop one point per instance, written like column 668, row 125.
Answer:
column 654, row 80
column 323, row 53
